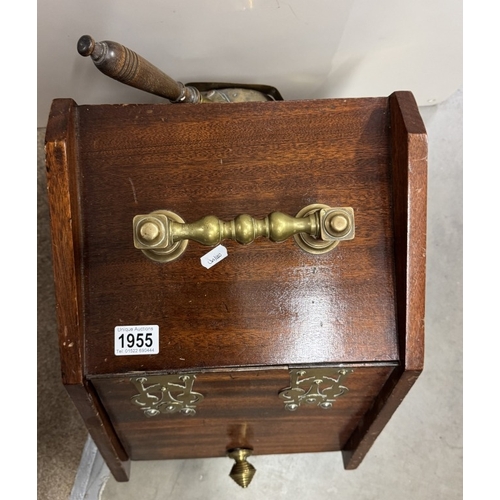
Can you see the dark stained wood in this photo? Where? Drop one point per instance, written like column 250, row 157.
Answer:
column 409, row 164
column 62, row 186
column 265, row 307
column 409, row 152
column 266, row 304
column 63, row 194
column 240, row 409
column 100, row 429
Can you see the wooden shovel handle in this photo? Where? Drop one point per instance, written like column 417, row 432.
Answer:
column 124, row 65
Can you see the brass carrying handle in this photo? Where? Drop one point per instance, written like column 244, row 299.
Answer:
column 163, row 235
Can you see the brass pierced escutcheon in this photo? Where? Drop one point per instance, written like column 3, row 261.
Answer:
column 315, row 387
column 166, row 394
column 163, row 235
column 242, row 472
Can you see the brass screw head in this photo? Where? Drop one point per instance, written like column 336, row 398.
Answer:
column 339, row 223
column 149, row 231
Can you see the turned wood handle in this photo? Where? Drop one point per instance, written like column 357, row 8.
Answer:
column 124, row 65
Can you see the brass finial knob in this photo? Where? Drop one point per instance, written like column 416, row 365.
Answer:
column 242, row 472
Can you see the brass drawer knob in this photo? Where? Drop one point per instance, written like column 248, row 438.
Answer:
column 242, row 472
column 163, row 235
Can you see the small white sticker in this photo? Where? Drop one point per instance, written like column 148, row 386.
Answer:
column 214, row 256
column 136, row 339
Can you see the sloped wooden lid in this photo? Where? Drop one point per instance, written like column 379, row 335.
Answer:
column 266, row 304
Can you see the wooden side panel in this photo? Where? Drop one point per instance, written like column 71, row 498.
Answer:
column 409, row 153
column 240, row 409
column 409, row 161
column 62, row 186
column 63, row 195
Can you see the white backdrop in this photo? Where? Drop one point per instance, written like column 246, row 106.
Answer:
column 306, row 48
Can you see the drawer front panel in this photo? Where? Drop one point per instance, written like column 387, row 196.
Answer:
column 239, row 409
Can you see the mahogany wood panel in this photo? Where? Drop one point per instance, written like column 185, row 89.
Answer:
column 240, row 409
column 266, row 304
column 100, row 429
column 409, row 161
column 409, row 164
column 62, row 185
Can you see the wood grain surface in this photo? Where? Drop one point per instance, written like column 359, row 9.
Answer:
column 239, row 409
column 264, row 308
column 266, row 303
column 409, row 184
column 65, row 212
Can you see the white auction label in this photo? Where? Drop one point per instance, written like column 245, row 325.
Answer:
column 136, row 339
column 214, row 256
